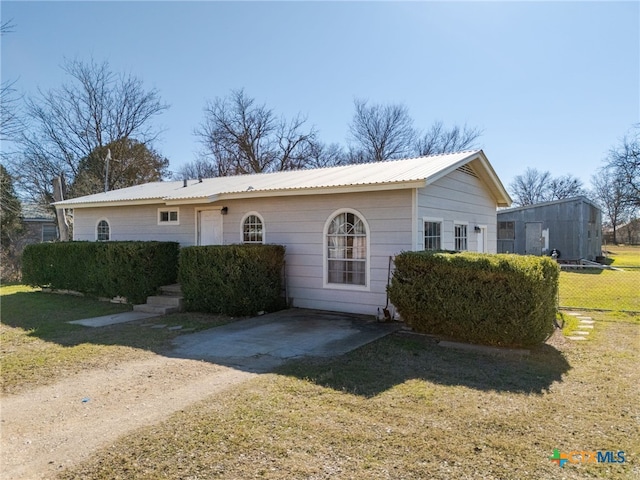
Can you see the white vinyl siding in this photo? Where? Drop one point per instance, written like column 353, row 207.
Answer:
column 458, row 198
column 135, row 223
column 299, row 224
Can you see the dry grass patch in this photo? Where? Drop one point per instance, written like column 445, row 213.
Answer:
column 403, row 407
column 38, row 346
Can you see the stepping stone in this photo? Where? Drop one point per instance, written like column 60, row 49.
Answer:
column 589, row 322
column 583, row 318
column 586, row 326
column 579, row 332
column 175, row 327
column 574, row 314
column 161, row 325
column 576, row 338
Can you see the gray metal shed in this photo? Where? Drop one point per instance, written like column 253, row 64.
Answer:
column 573, row 226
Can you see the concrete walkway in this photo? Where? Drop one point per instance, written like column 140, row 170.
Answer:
column 585, row 326
column 263, row 342
column 113, row 319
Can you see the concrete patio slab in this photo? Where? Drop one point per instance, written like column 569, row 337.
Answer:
column 271, row 339
column 113, row 319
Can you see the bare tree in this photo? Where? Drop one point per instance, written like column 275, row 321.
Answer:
column 530, row 187
column 238, row 136
column 534, row 187
column 10, row 120
column 625, row 159
column 611, row 193
column 11, row 123
column 380, row 132
column 565, row 186
column 438, row 139
column 199, row 168
column 95, row 108
column 323, row 155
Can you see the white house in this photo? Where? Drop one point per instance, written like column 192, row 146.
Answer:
column 340, row 225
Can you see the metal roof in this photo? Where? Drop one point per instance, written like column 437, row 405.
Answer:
column 406, row 173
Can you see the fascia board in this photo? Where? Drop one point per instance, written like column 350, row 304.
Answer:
column 116, row 203
column 320, row 191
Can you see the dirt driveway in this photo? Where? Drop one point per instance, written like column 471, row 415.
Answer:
column 52, row 427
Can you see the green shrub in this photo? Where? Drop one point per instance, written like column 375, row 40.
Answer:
column 232, row 279
column 502, row 300
column 133, row 270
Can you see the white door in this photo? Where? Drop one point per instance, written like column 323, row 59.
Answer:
column 209, row 227
column 481, row 239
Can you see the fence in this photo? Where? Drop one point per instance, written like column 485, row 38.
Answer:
column 600, row 288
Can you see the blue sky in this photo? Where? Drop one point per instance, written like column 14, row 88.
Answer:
column 553, row 85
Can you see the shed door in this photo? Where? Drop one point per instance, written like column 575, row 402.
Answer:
column 209, row 227
column 533, row 238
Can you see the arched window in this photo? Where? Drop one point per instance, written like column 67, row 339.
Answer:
column 252, row 229
column 346, row 244
column 102, row 231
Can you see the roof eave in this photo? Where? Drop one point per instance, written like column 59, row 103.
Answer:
column 323, row 190
column 113, row 203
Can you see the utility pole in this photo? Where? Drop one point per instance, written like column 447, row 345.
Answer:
column 106, row 171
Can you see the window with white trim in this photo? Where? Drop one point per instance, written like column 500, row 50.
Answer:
column 253, row 229
column 460, row 237
column 103, row 231
column 346, row 244
column 168, row 216
column 432, row 235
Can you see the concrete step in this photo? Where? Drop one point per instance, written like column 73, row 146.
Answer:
column 171, row 290
column 158, row 309
column 165, row 301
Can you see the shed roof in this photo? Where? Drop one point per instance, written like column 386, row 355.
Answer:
column 33, row 212
column 388, row 175
column 577, row 199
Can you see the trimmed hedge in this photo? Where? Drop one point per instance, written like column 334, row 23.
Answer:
column 500, row 300
column 133, row 270
column 232, row 279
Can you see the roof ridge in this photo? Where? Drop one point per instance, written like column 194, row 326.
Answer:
column 389, row 160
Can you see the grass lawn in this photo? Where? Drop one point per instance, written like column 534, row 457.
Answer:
column 38, row 346
column 623, row 255
column 404, row 407
column 615, row 290
column 401, row 407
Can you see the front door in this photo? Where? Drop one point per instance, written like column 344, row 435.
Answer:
column 481, row 235
column 533, row 238
column 209, row 224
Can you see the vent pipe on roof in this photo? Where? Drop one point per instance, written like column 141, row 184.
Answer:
column 184, row 182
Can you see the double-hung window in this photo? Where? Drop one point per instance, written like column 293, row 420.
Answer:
column 433, row 235
column 460, row 237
